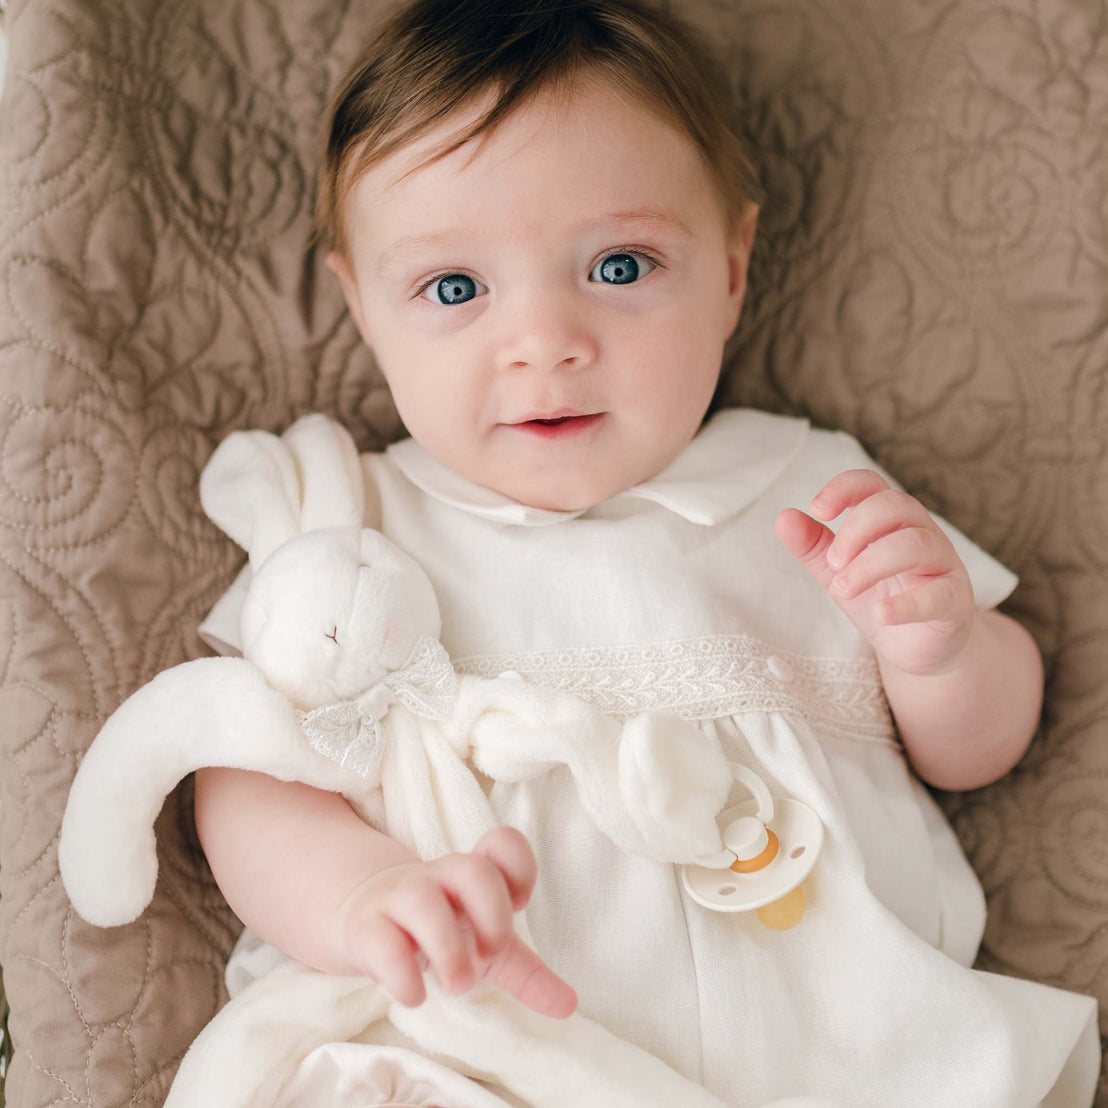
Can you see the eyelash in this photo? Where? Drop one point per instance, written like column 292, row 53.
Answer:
column 648, row 254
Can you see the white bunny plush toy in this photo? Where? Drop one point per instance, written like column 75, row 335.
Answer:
column 344, row 685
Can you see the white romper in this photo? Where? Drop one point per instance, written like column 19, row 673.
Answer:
column 677, row 595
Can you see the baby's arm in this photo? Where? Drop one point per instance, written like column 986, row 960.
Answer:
column 307, row 874
column 964, row 685
column 968, row 726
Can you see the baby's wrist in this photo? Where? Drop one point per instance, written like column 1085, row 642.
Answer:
column 963, row 638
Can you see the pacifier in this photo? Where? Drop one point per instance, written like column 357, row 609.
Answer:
column 770, row 848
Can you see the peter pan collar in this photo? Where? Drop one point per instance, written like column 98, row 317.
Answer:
column 732, row 460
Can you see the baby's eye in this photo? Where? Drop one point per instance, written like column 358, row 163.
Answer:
column 622, row 268
column 618, row 268
column 453, row 288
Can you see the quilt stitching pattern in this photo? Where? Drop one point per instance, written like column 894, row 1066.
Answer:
column 931, row 275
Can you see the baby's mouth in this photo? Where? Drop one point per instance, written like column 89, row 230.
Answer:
column 561, row 426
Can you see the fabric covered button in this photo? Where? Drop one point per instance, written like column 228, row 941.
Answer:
column 780, row 667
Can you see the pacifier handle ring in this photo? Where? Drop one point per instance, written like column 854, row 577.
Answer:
column 758, row 789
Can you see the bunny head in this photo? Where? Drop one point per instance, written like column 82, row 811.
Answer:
column 333, row 606
column 331, row 612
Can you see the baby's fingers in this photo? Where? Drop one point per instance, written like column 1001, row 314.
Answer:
column 936, row 600
column 427, row 915
column 808, row 540
column 880, row 514
column 844, row 490
column 520, row 971
column 916, row 550
column 479, row 893
column 390, row 958
column 512, row 855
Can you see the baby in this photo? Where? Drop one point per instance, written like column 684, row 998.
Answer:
column 542, row 222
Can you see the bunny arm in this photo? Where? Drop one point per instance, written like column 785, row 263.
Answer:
column 653, row 783
column 208, row 712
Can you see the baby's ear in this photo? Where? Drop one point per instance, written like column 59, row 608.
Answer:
column 251, row 491
column 340, row 266
column 332, row 488
column 746, row 226
column 740, row 242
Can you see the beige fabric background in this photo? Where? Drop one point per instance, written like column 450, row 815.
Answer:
column 932, row 276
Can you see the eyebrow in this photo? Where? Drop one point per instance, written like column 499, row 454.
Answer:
column 658, row 218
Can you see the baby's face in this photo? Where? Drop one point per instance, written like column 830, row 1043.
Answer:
column 531, row 293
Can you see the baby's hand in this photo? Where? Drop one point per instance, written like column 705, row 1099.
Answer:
column 890, row 568
column 453, row 914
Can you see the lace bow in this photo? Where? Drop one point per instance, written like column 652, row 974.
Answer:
column 349, row 731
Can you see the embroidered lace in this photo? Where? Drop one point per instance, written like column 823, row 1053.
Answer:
column 704, row 678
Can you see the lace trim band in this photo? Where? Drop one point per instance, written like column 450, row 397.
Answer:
column 720, row 675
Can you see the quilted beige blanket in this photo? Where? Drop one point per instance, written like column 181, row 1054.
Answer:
column 932, row 276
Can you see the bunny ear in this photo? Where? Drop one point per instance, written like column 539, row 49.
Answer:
column 332, row 487
column 261, row 490
column 251, row 491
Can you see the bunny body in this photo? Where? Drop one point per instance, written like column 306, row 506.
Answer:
column 344, row 687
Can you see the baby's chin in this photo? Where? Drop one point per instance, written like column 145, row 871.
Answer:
column 565, row 492
column 565, row 480
column 576, row 484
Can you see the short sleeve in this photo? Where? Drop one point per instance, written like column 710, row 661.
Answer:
column 220, row 627
column 992, row 582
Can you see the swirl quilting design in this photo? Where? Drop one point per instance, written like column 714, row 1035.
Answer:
column 930, row 276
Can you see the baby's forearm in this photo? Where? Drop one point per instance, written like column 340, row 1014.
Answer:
column 965, row 728
column 286, row 856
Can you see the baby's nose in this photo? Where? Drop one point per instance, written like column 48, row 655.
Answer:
column 547, row 333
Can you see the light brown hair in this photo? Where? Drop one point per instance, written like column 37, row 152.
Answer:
column 433, row 57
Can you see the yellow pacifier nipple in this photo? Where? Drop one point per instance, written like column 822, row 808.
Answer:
column 782, row 914
column 755, row 846
column 744, row 862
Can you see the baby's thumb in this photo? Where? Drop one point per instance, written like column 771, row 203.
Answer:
column 808, row 540
column 520, row 971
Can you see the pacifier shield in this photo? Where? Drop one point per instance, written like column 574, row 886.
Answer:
column 800, row 835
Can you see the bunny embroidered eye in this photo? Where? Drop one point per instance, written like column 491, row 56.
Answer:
column 334, row 635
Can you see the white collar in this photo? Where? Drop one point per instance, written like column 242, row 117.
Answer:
column 732, row 460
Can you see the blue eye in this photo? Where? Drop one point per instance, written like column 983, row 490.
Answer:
column 622, row 269
column 454, row 288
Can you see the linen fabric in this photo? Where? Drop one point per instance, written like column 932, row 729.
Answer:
column 677, row 596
